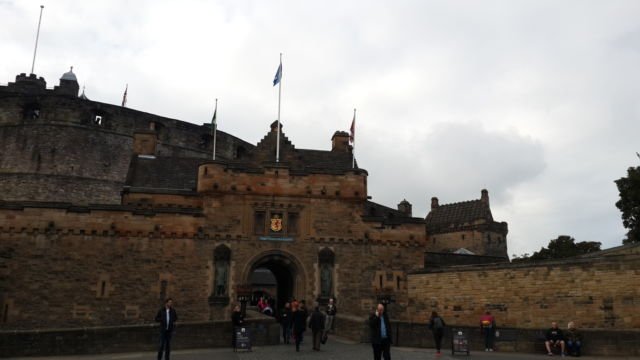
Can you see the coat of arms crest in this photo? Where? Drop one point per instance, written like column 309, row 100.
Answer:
column 276, row 223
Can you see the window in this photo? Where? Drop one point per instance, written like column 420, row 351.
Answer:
column 258, row 222
column 97, row 120
column 163, row 290
column 31, row 112
column 292, row 223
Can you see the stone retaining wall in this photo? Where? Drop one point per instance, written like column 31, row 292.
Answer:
column 132, row 338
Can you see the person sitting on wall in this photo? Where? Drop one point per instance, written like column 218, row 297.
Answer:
column 554, row 338
column 574, row 339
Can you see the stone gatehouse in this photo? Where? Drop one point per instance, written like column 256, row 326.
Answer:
column 107, row 210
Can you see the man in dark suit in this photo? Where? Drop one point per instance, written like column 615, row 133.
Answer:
column 380, row 329
column 167, row 318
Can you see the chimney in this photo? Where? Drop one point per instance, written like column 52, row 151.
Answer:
column 340, row 141
column 405, row 207
column 434, row 202
column 484, row 196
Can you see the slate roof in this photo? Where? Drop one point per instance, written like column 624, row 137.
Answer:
column 173, row 173
column 386, row 215
column 298, row 160
column 460, row 213
column 162, row 172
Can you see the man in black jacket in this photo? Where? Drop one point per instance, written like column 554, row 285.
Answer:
column 380, row 329
column 167, row 318
column 316, row 323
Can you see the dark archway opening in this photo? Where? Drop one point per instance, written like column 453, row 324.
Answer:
column 273, row 277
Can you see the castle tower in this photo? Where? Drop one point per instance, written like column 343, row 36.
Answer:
column 68, row 84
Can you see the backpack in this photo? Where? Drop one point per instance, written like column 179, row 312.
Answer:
column 437, row 323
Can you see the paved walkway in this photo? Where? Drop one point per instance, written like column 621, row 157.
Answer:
column 335, row 349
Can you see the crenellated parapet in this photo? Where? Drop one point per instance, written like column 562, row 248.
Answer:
column 279, row 180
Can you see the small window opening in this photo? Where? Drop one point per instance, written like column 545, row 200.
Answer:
column 163, row 289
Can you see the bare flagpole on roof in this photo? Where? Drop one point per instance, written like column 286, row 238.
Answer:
column 278, row 81
column 33, row 64
column 214, row 128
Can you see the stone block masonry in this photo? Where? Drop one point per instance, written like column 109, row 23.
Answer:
column 596, row 293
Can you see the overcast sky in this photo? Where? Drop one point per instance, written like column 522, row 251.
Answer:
column 536, row 101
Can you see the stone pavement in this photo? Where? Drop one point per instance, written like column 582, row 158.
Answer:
column 335, row 349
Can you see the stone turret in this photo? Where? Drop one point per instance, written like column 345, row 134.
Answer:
column 68, row 84
column 405, row 207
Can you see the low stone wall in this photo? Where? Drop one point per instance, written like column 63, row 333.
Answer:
column 597, row 293
column 130, row 338
column 602, row 342
column 350, row 327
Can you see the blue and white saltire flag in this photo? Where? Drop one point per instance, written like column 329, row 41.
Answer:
column 278, row 77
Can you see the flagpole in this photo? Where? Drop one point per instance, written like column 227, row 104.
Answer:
column 33, row 64
column 353, row 150
column 215, row 129
column 279, row 97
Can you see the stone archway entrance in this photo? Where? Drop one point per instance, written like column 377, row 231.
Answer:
column 285, row 269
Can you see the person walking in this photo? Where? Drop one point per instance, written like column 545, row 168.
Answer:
column 437, row 324
column 332, row 310
column 380, row 329
column 167, row 317
column 285, row 322
column 299, row 322
column 316, row 323
column 237, row 320
column 488, row 330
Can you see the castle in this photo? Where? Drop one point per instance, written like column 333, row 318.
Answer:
column 123, row 208
column 105, row 211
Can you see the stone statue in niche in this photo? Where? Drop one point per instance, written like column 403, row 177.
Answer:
column 222, row 268
column 326, row 280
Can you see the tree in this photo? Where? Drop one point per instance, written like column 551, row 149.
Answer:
column 629, row 203
column 562, row 247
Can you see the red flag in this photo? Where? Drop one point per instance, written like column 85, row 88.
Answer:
column 352, row 136
column 124, row 97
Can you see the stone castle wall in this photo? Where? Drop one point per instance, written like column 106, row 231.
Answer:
column 491, row 243
column 64, row 154
column 71, row 266
column 599, row 292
